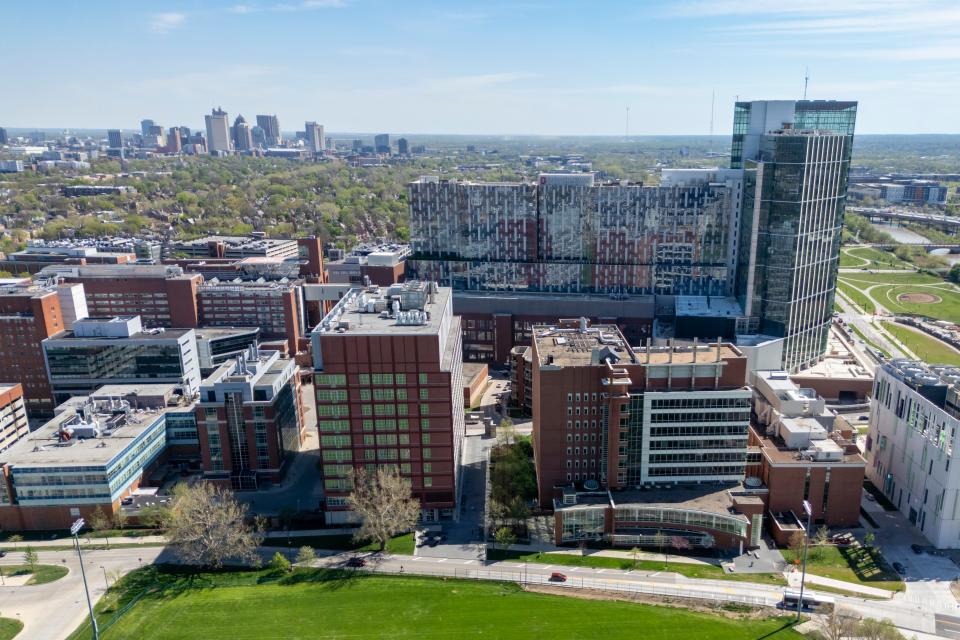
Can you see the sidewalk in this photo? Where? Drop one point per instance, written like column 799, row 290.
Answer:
column 614, row 553
column 793, row 579
column 85, row 540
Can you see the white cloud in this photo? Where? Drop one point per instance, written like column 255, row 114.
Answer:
column 713, row 8
column 163, row 23
column 242, row 8
column 928, row 21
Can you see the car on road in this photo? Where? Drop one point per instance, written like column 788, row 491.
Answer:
column 3, row 554
column 869, row 496
column 556, row 576
column 356, row 561
column 917, row 549
column 863, row 418
column 899, row 568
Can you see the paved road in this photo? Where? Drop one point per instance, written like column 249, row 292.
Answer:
column 52, row 611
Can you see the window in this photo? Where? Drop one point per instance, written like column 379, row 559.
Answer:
column 422, row 378
column 428, row 467
column 424, row 409
column 365, row 394
column 427, row 454
column 424, row 394
column 403, row 424
column 401, row 393
column 401, row 379
column 424, row 423
column 363, row 378
column 368, row 440
column 329, row 380
column 428, row 481
column 368, row 425
column 425, row 438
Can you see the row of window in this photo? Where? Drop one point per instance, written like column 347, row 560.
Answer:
column 377, row 379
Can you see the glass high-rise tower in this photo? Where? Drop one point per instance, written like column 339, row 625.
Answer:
column 795, row 156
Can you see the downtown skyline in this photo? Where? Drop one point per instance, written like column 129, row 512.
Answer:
column 433, row 68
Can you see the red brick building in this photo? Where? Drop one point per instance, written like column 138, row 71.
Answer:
column 29, row 314
column 13, row 415
column 277, row 308
column 806, row 453
column 389, row 387
column 250, row 419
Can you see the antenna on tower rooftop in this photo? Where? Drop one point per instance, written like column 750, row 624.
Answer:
column 806, row 81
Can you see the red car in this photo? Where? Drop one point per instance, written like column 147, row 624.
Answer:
column 556, row 576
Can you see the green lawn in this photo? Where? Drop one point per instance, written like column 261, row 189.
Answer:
column 400, row 545
column 340, row 604
column 708, row 571
column 856, row 296
column 854, row 564
column 9, row 628
column 907, row 277
column 870, row 258
column 45, row 572
column 947, row 309
column 927, row 348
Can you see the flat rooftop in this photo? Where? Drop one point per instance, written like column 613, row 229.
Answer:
column 369, row 311
column 686, row 354
column 147, row 334
column 213, row 333
column 774, row 448
column 712, row 498
column 43, row 447
column 580, row 345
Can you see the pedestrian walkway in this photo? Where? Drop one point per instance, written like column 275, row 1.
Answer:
column 642, row 555
column 793, row 579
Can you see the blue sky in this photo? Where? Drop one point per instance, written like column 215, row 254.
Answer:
column 494, row 67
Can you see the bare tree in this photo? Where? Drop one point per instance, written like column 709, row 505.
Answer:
column 384, row 504
column 660, row 539
column 120, row 518
column 635, row 554
column 823, row 536
column 15, row 539
column 208, row 526
column 837, row 626
column 153, row 516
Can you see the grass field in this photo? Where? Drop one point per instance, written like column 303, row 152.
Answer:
column 400, row 545
column 856, row 296
column 330, row 604
column 927, row 348
column 9, row 628
column 866, row 289
column 851, row 564
column 870, row 258
column 45, row 572
column 709, row 571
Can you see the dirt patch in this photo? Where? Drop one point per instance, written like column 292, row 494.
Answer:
column 919, row 298
column 731, row 610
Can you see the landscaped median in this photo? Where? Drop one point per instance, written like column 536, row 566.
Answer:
column 9, row 628
column 38, row 574
column 167, row 603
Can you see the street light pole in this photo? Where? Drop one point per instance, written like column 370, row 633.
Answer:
column 105, row 581
column 806, row 543
column 75, row 529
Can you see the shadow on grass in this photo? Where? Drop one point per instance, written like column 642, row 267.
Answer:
column 783, row 629
column 868, row 564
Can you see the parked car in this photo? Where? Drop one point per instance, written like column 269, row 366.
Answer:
column 3, row 554
column 126, row 501
column 917, row 549
column 863, row 418
column 869, row 496
column 556, row 576
column 356, row 561
column 899, row 568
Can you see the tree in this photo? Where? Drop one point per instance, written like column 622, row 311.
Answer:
column 823, row 535
column 280, row 564
column 795, row 543
column 660, row 539
column 100, row 522
column 505, row 538
column 635, row 554
column 837, row 626
column 15, row 539
column 207, row 526
column 153, row 516
column 120, row 518
column 384, row 503
column 870, row 629
column 869, row 538
column 506, row 434
column 31, row 559
column 306, row 555
column 954, row 275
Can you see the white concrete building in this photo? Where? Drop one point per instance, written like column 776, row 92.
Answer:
column 910, row 445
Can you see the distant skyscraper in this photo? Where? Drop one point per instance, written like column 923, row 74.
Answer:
column 795, row 157
column 381, row 143
column 271, row 129
column 3, row 136
column 218, row 132
column 259, row 137
column 115, row 138
column 145, row 127
column 242, row 138
column 174, row 140
column 315, row 140
column 402, row 147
